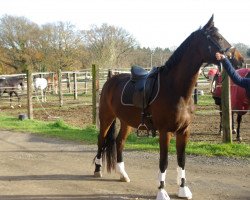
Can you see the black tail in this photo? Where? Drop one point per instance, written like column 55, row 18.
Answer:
column 109, row 150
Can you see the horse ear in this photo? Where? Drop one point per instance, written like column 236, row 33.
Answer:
column 209, row 24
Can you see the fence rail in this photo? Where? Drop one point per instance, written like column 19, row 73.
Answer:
column 77, row 91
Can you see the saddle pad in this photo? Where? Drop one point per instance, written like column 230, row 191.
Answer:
column 129, row 90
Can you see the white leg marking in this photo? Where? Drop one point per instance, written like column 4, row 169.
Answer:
column 162, row 194
column 184, row 192
column 180, row 174
column 123, row 174
column 98, row 161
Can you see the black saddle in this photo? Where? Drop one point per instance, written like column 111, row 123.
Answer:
column 140, row 91
column 142, row 88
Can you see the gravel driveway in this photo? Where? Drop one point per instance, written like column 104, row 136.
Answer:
column 36, row 168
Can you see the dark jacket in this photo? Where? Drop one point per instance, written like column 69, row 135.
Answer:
column 237, row 79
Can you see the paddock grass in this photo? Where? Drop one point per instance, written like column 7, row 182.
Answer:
column 88, row 135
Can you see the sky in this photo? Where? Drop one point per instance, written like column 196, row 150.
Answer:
column 153, row 23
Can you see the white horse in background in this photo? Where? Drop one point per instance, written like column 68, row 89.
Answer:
column 41, row 84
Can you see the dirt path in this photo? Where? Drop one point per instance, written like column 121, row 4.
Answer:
column 35, row 168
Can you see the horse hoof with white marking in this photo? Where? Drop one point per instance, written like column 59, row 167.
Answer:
column 162, row 195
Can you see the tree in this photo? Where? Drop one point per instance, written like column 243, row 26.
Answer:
column 242, row 48
column 248, row 53
column 18, row 37
column 108, row 45
column 60, row 45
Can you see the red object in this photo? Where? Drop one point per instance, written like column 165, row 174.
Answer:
column 239, row 100
column 211, row 73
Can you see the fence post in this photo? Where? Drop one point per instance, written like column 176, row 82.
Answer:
column 85, row 83
column 29, row 94
column 226, row 108
column 75, row 85
column 95, row 95
column 60, row 87
column 68, row 82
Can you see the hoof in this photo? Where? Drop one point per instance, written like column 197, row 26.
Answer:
column 98, row 174
column 239, row 139
column 221, row 133
column 125, row 179
column 184, row 192
column 162, row 195
column 234, row 131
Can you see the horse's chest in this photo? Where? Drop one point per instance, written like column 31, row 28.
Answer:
column 175, row 115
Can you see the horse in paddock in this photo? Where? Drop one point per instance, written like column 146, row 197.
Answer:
column 53, row 83
column 170, row 107
column 41, row 84
column 240, row 100
column 10, row 85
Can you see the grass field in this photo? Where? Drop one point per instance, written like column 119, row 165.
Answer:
column 89, row 134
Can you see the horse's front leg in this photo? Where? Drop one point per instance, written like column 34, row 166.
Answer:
column 233, row 129
column 239, row 120
column 164, row 144
column 18, row 98
column 181, row 141
column 120, row 142
column 11, row 95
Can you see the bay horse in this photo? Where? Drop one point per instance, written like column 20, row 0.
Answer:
column 10, row 85
column 171, row 110
column 53, row 83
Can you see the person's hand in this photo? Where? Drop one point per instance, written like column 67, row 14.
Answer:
column 219, row 56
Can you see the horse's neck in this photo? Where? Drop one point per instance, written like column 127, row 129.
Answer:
column 184, row 75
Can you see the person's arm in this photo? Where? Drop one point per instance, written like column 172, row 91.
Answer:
column 237, row 79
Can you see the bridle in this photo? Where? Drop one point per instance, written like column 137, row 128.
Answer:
column 215, row 43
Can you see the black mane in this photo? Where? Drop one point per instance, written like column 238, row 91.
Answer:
column 179, row 52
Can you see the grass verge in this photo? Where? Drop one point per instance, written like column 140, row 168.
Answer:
column 88, row 135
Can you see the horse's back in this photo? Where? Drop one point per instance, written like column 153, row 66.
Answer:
column 239, row 98
column 40, row 83
column 116, row 81
column 112, row 90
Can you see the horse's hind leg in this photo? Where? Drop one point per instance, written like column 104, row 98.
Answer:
column 239, row 120
column 120, row 142
column 181, row 141
column 107, row 127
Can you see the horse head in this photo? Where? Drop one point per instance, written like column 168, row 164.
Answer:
column 211, row 41
column 235, row 57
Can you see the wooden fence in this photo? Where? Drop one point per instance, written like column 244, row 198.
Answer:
column 74, row 84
